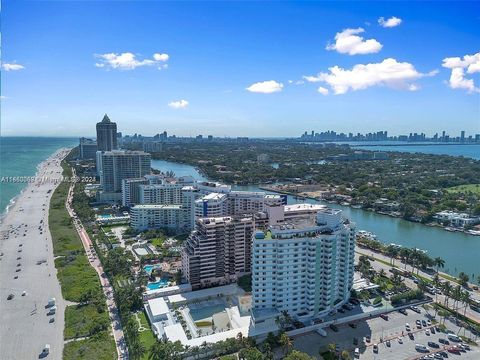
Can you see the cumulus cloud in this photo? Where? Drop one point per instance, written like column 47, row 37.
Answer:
column 180, row 104
column 389, row 72
column 266, row 87
column 469, row 64
column 323, row 91
column 129, row 61
column 12, row 67
column 389, row 23
column 349, row 42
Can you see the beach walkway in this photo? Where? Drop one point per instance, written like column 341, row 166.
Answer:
column 120, row 344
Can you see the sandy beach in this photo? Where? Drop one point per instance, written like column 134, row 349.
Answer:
column 27, row 271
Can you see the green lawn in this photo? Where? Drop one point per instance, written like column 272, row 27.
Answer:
column 473, row 188
column 74, row 272
column 147, row 338
column 80, row 319
column 98, row 347
column 76, row 277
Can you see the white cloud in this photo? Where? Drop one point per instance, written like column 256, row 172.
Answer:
column 180, row 104
column 266, row 87
column 129, row 61
column 348, row 42
column 161, row 57
column 389, row 23
column 323, row 91
column 389, row 72
column 470, row 63
column 12, row 67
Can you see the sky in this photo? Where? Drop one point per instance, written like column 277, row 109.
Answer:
column 239, row 68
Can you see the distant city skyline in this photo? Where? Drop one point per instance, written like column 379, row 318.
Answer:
column 240, row 69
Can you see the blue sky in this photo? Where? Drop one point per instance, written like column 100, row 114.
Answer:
column 240, row 68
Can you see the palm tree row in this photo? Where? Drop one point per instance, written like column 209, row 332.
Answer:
column 417, row 258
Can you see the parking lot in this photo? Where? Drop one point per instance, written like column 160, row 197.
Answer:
column 380, row 331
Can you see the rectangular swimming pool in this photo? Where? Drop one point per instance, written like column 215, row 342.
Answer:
column 206, row 312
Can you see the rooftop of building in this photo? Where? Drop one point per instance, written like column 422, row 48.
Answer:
column 156, row 206
column 125, row 152
column 224, row 219
column 304, row 207
column 324, row 221
column 214, row 197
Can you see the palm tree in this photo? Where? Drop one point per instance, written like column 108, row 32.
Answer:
column 345, row 355
column 456, row 295
column 332, row 347
column 392, row 251
column 447, row 291
column 405, row 255
column 466, row 297
column 439, row 263
column 285, row 342
column 204, row 347
column 463, row 278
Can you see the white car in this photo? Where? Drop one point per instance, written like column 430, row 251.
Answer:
column 400, row 340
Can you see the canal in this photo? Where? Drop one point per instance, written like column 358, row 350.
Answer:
column 461, row 252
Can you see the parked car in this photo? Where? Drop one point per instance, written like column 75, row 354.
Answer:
column 375, row 348
column 403, row 311
column 334, row 327
column 415, row 308
column 421, row 348
column 10, row 296
column 444, row 341
column 433, row 344
column 384, row 316
column 367, row 338
column 352, row 325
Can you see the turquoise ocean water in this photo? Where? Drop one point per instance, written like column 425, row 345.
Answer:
column 20, row 156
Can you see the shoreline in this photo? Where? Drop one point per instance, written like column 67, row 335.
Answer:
column 14, row 199
column 27, row 266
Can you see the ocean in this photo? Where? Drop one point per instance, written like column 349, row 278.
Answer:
column 467, row 150
column 20, row 156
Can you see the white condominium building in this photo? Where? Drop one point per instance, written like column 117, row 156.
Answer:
column 117, row 165
column 302, row 264
column 144, row 217
column 166, row 201
column 207, row 187
column 235, row 203
column 211, row 205
column 130, row 190
column 168, row 193
column 218, row 251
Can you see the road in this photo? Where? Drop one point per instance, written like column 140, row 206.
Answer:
column 27, row 264
column 377, row 265
column 120, row 344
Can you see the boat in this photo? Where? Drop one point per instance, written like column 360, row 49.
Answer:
column 366, row 234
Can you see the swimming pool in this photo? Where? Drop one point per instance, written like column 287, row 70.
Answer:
column 158, row 284
column 148, row 268
column 206, row 312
